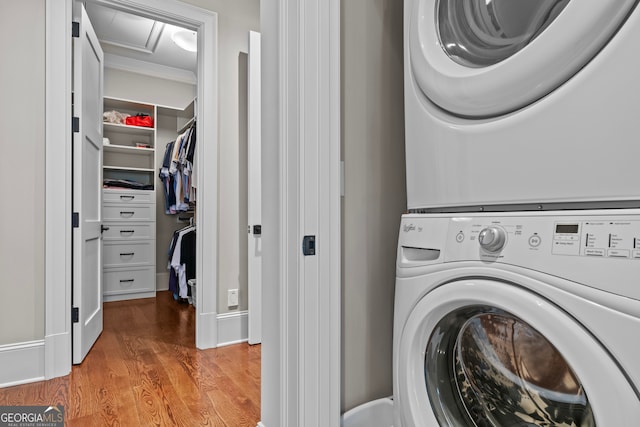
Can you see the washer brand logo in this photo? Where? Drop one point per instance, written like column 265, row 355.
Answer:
column 409, row 227
column 31, row 416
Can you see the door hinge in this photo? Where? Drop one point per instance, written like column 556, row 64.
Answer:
column 75, row 315
column 75, row 29
column 75, row 219
column 75, row 124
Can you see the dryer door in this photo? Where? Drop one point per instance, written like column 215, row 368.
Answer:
column 477, row 58
column 488, row 353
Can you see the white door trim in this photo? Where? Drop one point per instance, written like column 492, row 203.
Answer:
column 58, row 166
column 254, row 193
column 301, row 161
column 57, row 348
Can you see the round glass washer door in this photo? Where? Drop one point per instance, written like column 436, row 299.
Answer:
column 484, row 353
column 504, row 372
column 481, row 58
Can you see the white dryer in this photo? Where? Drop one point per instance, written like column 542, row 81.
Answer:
column 521, row 102
column 518, row 320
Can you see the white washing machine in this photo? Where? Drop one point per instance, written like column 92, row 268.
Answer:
column 518, row 319
column 517, row 102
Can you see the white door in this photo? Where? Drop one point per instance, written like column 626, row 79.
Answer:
column 484, row 58
column 254, row 202
column 87, row 187
column 487, row 352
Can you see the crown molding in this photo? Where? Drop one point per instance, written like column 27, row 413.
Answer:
column 148, row 68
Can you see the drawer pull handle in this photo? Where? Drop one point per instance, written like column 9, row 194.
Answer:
column 127, row 231
column 130, row 213
column 127, row 197
column 127, row 280
column 128, row 254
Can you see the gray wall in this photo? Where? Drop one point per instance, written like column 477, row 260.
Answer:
column 22, row 107
column 140, row 87
column 375, row 192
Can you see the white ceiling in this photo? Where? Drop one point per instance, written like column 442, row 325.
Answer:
column 139, row 44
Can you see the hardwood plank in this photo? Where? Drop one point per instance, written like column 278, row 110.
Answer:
column 145, row 370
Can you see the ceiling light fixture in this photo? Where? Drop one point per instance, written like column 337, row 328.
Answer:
column 186, row 39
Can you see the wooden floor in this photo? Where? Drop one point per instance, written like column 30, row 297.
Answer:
column 144, row 370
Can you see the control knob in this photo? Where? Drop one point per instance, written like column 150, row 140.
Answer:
column 492, row 239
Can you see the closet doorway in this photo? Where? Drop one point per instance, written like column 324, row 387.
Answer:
column 121, row 163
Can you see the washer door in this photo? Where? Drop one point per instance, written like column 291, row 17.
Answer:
column 477, row 58
column 487, row 353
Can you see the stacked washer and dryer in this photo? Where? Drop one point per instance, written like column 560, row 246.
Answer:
column 518, row 269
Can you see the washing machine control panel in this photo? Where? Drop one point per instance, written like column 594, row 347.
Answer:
column 496, row 237
column 605, row 237
column 600, row 249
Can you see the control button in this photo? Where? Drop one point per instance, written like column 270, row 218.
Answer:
column 594, row 252
column 492, row 239
column 618, row 253
column 460, row 237
column 636, row 254
column 534, row 241
column 562, row 237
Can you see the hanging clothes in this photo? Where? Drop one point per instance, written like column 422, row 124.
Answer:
column 182, row 260
column 167, row 180
column 176, row 172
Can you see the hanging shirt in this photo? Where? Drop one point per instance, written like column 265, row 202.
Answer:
column 176, row 261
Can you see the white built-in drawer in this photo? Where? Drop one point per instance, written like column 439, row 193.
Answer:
column 117, row 254
column 119, row 212
column 128, row 231
column 119, row 196
column 130, row 280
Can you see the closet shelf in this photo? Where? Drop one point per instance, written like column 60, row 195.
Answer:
column 127, row 150
column 128, row 169
column 116, row 127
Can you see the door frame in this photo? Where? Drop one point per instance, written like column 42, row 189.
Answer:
column 58, row 185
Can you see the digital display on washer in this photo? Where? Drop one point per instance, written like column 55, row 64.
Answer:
column 567, row 228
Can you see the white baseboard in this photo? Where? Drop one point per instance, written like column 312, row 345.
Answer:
column 233, row 328
column 162, row 281
column 57, row 355
column 23, row 363
column 206, row 330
